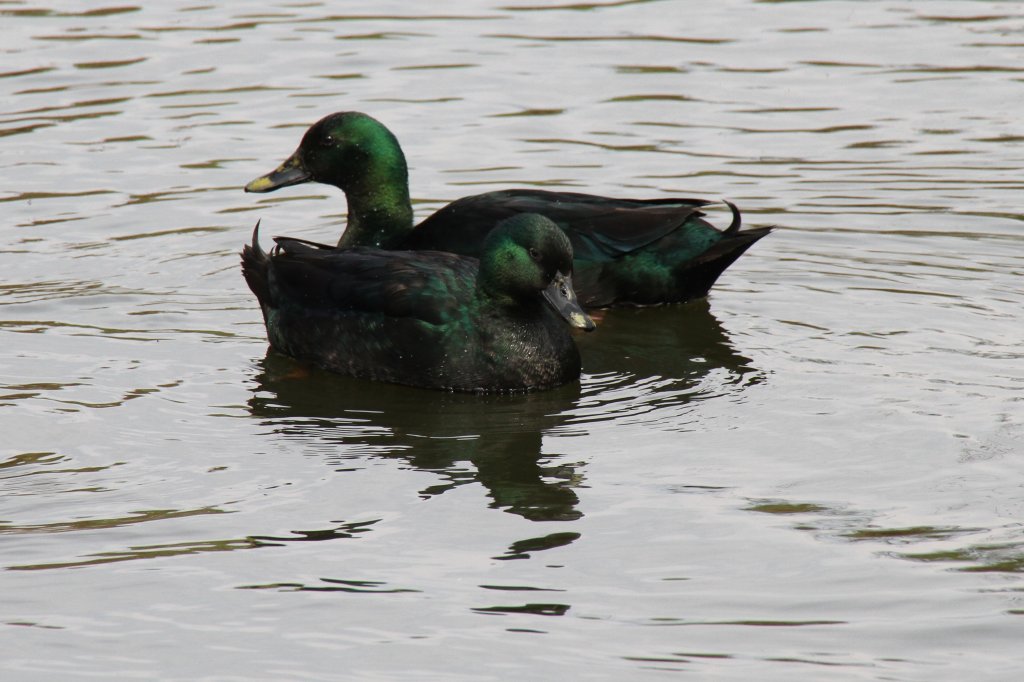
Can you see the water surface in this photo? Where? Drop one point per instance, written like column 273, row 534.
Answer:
column 817, row 473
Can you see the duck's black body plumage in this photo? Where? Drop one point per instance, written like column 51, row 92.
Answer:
column 421, row 318
column 627, row 251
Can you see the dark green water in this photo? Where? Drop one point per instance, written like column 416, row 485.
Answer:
column 816, row 474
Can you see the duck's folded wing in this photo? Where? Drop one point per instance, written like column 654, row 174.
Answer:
column 600, row 228
column 423, row 285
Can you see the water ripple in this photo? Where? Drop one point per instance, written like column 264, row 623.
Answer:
column 848, row 398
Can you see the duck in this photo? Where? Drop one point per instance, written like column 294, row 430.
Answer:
column 633, row 252
column 431, row 319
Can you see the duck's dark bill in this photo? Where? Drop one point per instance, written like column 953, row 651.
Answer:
column 562, row 298
column 288, row 173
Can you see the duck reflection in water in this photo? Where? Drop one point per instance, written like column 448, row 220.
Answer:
column 501, row 436
column 678, row 344
column 498, row 434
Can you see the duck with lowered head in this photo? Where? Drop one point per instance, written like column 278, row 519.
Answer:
column 427, row 318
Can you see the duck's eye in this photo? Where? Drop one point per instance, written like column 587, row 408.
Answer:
column 534, row 254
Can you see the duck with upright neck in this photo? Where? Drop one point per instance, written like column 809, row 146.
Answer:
column 627, row 251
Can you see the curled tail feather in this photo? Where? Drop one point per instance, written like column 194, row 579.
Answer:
column 737, row 219
column 255, row 265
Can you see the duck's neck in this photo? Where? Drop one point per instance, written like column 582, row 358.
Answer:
column 379, row 210
column 503, row 305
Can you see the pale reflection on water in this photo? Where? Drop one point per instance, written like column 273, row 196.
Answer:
column 818, row 467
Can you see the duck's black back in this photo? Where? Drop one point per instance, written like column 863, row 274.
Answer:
column 600, row 228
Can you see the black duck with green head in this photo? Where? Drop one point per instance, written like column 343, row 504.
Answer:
column 627, row 251
column 427, row 318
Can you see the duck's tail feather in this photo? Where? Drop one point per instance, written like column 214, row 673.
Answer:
column 737, row 219
column 703, row 271
column 255, row 268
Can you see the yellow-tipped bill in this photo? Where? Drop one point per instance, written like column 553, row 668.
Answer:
column 291, row 172
column 562, row 298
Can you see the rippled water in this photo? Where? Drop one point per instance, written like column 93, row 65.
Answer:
column 817, row 474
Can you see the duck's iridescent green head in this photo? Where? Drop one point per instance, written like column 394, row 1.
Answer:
column 348, row 149
column 528, row 256
column 357, row 154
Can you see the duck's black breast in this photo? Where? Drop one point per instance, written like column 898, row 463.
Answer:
column 530, row 348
